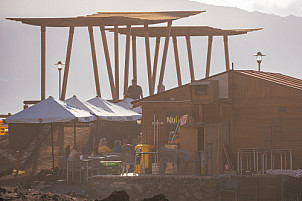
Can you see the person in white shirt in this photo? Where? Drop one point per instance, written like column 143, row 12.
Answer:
column 75, row 153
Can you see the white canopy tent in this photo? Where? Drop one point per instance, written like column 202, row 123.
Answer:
column 126, row 103
column 118, row 112
column 84, row 105
column 50, row 110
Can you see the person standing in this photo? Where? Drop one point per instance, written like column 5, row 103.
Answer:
column 134, row 91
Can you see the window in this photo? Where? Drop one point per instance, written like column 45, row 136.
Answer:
column 201, row 90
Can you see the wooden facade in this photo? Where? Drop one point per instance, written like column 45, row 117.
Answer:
column 249, row 102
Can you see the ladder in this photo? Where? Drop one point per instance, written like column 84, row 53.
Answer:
column 272, row 132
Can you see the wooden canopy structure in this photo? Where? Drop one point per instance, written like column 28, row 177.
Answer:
column 103, row 19
column 180, row 31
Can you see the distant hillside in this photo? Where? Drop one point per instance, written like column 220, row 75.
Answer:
column 280, row 40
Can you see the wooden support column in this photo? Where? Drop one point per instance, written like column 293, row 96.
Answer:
column 108, row 62
column 155, row 62
column 67, row 63
column 210, row 42
column 127, row 53
column 163, row 64
column 117, row 68
column 148, row 58
column 226, row 53
column 177, row 65
column 134, row 57
column 188, row 40
column 43, row 59
column 95, row 65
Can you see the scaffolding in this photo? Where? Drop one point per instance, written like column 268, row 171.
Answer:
column 259, row 160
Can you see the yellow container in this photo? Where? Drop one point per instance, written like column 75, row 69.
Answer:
column 145, row 161
column 3, row 127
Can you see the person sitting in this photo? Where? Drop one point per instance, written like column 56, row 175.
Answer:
column 75, row 153
column 117, row 146
column 103, row 148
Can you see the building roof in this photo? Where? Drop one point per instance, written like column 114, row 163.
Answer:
column 277, row 78
column 109, row 19
column 185, row 31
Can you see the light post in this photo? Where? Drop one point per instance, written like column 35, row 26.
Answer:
column 259, row 56
column 60, row 67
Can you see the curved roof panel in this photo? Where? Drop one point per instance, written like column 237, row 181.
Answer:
column 109, row 19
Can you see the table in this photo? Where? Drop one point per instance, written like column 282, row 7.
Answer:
column 87, row 166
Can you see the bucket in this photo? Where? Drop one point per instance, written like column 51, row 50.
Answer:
column 155, row 168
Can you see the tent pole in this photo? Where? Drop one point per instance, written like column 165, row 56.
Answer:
column 52, row 150
column 74, row 132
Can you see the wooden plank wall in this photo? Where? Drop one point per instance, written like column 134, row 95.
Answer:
column 255, row 104
column 179, row 93
column 160, row 110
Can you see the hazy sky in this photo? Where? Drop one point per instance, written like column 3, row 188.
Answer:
column 20, row 44
column 277, row 7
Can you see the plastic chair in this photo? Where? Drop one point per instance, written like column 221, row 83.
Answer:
column 62, row 165
column 128, row 158
column 74, row 165
column 229, row 186
column 166, row 155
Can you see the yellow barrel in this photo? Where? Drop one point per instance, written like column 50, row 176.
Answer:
column 145, row 159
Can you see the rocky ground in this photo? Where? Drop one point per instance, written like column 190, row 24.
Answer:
column 45, row 186
column 39, row 182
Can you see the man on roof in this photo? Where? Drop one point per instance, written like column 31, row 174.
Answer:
column 134, row 91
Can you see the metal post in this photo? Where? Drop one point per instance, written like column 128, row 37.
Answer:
column 238, row 166
column 281, row 160
column 254, row 161
column 285, row 160
column 257, row 161
column 74, row 132
column 43, row 56
column 52, row 150
column 17, row 165
column 134, row 57
column 116, row 57
column 60, row 83
column 291, row 160
column 241, row 163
